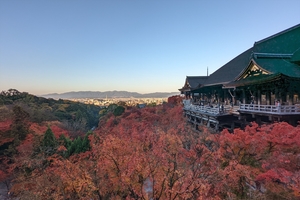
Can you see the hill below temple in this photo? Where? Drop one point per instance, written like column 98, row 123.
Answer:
column 108, row 94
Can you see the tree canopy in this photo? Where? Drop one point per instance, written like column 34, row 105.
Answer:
column 153, row 153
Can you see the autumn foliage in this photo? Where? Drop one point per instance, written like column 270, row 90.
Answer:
column 153, row 153
column 176, row 100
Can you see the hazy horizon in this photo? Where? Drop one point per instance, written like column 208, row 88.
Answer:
column 109, row 91
column 108, row 94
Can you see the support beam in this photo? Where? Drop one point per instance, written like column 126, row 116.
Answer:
column 277, row 95
column 234, row 98
column 258, row 120
column 208, row 123
column 244, row 96
column 258, row 97
column 232, row 126
column 291, row 98
column 268, row 97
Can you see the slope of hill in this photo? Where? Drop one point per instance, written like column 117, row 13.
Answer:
column 109, row 94
column 39, row 109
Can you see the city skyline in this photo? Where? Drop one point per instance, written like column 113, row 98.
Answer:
column 137, row 46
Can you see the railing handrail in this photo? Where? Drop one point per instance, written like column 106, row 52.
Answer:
column 217, row 110
column 282, row 109
column 206, row 109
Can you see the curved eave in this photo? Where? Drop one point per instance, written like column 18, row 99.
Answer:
column 250, row 65
column 184, row 89
column 256, row 80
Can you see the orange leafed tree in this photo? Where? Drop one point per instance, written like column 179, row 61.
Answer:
column 152, row 153
column 264, row 160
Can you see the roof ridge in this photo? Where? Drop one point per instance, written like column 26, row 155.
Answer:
column 277, row 34
column 196, row 76
column 271, row 55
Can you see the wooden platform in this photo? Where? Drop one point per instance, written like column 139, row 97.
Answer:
column 230, row 117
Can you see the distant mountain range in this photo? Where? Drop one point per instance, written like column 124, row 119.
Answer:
column 108, row 94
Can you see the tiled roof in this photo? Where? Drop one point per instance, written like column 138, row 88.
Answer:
column 254, row 80
column 286, row 42
column 265, row 78
column 230, row 70
column 195, row 81
column 282, row 33
column 192, row 82
column 279, row 65
column 296, row 57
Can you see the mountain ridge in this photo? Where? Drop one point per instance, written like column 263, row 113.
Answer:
column 108, row 94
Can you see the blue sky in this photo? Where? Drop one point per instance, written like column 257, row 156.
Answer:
column 134, row 45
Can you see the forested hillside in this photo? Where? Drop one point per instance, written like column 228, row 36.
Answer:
column 75, row 116
column 149, row 153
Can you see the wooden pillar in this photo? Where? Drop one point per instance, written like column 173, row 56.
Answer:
column 258, row 119
column 291, row 98
column 233, row 98
column 296, row 98
column 284, row 97
column 244, row 96
column 208, row 123
column 268, row 97
column 217, row 127
column 258, row 97
column 232, row 126
column 277, row 96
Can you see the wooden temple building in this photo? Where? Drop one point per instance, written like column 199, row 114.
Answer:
column 261, row 84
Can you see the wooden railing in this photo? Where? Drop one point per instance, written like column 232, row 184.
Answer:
column 186, row 102
column 214, row 110
column 284, row 109
column 218, row 110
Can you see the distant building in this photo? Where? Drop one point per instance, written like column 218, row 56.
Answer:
column 141, row 105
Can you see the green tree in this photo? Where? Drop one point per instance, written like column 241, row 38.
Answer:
column 122, row 103
column 49, row 143
column 76, row 146
column 65, row 141
column 152, row 104
column 119, row 111
column 19, row 127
